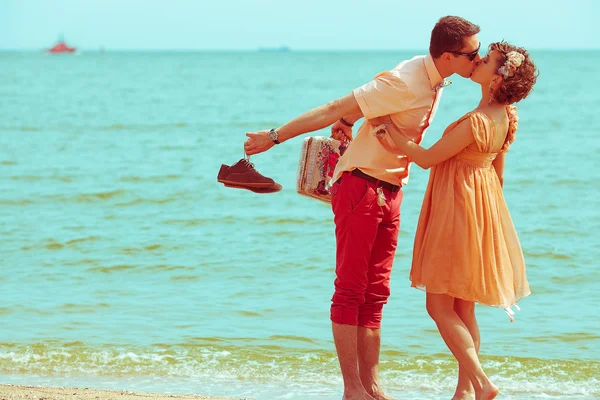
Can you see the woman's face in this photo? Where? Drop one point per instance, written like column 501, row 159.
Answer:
column 487, row 68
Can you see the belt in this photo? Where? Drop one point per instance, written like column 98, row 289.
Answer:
column 382, row 184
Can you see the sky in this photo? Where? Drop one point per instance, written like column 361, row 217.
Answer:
column 298, row 24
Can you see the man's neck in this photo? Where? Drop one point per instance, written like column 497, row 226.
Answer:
column 440, row 67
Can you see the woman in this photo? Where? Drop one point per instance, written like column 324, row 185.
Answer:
column 466, row 248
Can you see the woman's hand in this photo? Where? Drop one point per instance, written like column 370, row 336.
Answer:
column 257, row 142
column 383, row 120
column 340, row 131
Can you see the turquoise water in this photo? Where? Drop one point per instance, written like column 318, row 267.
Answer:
column 124, row 265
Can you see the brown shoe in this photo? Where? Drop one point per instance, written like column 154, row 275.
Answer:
column 242, row 174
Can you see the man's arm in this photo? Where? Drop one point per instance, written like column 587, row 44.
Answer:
column 353, row 118
column 387, row 94
column 313, row 120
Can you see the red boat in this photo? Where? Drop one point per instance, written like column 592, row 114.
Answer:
column 61, row 47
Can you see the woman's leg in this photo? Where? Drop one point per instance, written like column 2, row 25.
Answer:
column 458, row 339
column 466, row 312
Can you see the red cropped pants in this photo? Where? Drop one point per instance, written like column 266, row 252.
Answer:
column 366, row 239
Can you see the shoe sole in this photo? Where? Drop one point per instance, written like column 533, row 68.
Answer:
column 254, row 185
column 275, row 188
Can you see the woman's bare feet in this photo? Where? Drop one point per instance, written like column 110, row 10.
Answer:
column 357, row 396
column 463, row 395
column 488, row 392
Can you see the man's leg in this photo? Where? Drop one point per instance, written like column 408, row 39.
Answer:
column 368, row 361
column 376, row 295
column 357, row 216
column 344, row 337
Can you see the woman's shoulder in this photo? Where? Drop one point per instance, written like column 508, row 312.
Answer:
column 496, row 113
column 474, row 118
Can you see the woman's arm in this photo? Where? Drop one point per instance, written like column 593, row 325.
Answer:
column 315, row 119
column 449, row 145
column 498, row 165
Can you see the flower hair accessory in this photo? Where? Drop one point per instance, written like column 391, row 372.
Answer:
column 514, row 59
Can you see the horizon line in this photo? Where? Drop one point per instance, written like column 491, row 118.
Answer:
column 284, row 49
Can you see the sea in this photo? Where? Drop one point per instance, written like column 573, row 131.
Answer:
column 124, row 264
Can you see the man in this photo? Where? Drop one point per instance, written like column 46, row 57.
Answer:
column 367, row 192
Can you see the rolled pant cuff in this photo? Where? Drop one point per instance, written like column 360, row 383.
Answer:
column 370, row 321
column 343, row 316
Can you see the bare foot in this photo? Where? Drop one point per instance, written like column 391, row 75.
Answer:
column 380, row 395
column 488, row 392
column 376, row 391
column 357, row 396
column 463, row 395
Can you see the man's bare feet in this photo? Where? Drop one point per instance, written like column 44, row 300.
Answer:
column 375, row 390
column 380, row 395
column 488, row 392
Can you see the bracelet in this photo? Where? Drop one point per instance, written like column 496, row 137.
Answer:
column 343, row 121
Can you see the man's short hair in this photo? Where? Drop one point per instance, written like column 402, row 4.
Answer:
column 449, row 34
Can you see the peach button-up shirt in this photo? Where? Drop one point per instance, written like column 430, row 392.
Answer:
column 409, row 94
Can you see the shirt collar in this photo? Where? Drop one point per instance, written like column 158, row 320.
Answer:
column 435, row 79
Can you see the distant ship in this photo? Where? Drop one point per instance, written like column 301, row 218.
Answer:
column 61, row 47
column 282, row 49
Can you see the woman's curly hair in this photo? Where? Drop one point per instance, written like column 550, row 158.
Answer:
column 515, row 88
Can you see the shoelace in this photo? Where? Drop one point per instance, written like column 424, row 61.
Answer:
column 246, row 159
column 248, row 163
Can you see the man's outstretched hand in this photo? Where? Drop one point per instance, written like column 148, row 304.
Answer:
column 257, row 142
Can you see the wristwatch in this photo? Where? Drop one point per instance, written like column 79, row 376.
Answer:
column 274, row 136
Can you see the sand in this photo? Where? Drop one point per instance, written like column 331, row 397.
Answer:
column 13, row 392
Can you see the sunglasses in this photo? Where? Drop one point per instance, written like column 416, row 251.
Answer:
column 471, row 55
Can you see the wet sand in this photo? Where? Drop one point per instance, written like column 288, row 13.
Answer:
column 13, row 392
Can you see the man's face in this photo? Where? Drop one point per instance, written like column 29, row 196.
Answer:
column 487, row 68
column 463, row 62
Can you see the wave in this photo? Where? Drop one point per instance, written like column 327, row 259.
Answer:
column 20, row 129
column 111, row 269
column 34, row 178
column 161, row 178
column 54, row 245
column 254, row 362
column 137, row 202
column 540, row 231
column 135, row 127
column 143, row 269
column 87, row 197
column 548, row 254
column 117, row 127
column 569, row 182
column 124, row 197
column 254, row 220
column 566, row 338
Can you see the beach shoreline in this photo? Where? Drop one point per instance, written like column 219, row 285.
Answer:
column 17, row 392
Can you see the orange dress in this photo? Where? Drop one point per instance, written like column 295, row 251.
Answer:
column 466, row 245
